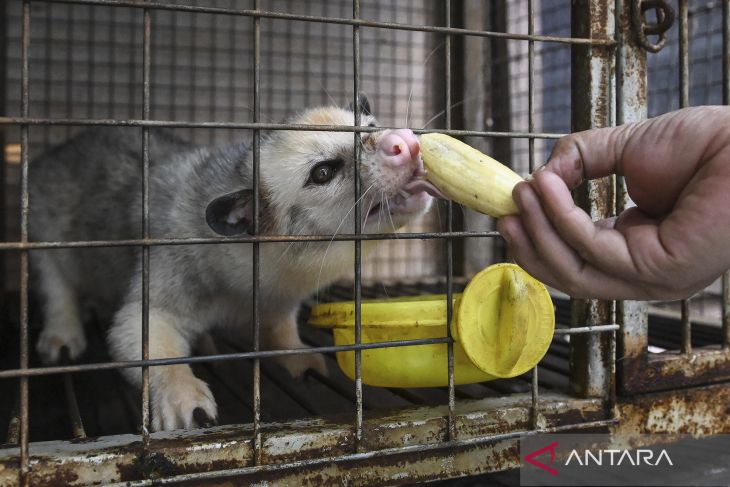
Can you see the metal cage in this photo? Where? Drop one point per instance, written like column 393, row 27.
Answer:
column 604, row 375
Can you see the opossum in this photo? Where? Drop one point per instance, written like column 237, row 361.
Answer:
column 90, row 188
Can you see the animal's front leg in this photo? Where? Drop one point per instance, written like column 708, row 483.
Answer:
column 178, row 398
column 280, row 333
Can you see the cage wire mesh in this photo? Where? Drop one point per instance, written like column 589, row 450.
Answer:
column 705, row 52
column 86, row 63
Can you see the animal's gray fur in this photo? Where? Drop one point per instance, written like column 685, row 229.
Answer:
column 90, row 188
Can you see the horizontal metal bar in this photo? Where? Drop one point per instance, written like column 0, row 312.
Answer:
column 258, row 125
column 586, row 329
column 673, row 370
column 339, row 20
column 408, row 449
column 61, row 369
column 145, row 242
column 127, row 364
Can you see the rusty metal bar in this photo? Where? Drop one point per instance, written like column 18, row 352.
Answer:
column 531, row 84
column 59, row 369
column 683, row 54
column 631, row 106
column 77, row 425
column 146, row 65
column 376, row 454
column 725, row 52
column 3, row 141
column 188, row 452
column 82, row 122
column 602, row 42
column 534, row 389
column 726, row 310
column 573, row 330
column 686, row 344
column 247, row 239
column 257, row 436
column 674, row 370
column 358, row 226
column 726, row 101
column 591, row 87
column 24, row 470
column 684, row 102
column 450, row 427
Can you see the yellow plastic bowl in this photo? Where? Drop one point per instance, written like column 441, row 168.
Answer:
column 503, row 324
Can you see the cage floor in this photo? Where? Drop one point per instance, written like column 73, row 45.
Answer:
column 107, row 405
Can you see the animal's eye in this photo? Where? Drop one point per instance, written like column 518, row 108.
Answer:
column 324, row 171
column 371, row 124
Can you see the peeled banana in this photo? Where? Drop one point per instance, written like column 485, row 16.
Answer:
column 467, row 176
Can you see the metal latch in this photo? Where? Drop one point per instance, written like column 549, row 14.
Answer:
column 643, row 28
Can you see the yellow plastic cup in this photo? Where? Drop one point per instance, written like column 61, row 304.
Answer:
column 503, row 324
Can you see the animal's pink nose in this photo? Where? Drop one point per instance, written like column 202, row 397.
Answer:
column 399, row 148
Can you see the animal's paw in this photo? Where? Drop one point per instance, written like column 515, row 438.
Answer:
column 181, row 401
column 299, row 365
column 53, row 339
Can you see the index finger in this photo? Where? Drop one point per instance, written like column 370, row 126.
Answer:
column 589, row 154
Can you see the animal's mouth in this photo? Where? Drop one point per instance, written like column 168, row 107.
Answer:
column 412, row 197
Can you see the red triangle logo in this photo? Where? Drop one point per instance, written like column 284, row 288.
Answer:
column 530, row 457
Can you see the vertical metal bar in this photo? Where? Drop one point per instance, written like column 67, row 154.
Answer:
column 24, row 203
column 726, row 101
column 686, row 328
column 111, row 85
column 146, row 33
column 531, row 84
column 499, row 105
column 631, row 106
column 77, row 425
column 592, row 104
column 684, row 102
column 91, row 43
column 256, row 193
column 47, row 57
column 451, row 427
column 534, row 415
column 725, row 52
column 70, row 72
column 726, row 310
column 683, row 54
column 3, row 139
column 173, row 65
column 72, row 404
column 358, row 227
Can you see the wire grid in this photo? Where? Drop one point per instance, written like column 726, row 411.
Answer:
column 148, row 9
column 87, row 64
column 690, row 71
column 509, row 101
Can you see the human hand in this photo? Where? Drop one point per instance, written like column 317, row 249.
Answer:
column 673, row 243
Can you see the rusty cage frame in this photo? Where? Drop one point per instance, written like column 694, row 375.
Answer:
column 609, row 87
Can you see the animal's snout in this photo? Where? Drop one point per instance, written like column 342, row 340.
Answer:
column 399, row 149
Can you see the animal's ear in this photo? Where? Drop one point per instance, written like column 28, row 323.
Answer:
column 364, row 103
column 231, row 214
